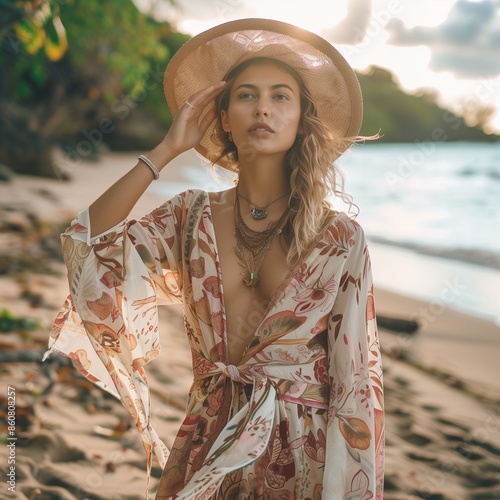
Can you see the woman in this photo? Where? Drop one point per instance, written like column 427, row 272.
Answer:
column 286, row 400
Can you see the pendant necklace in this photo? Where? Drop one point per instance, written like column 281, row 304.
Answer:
column 258, row 213
column 252, row 246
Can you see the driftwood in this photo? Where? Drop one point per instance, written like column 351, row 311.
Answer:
column 21, row 355
column 397, row 324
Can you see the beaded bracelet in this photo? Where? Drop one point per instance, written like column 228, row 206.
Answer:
column 151, row 165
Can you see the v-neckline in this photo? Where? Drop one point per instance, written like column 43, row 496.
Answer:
column 274, row 297
column 225, row 336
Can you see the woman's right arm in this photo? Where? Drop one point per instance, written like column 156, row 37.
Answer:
column 115, row 204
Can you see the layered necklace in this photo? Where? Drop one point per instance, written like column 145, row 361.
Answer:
column 252, row 246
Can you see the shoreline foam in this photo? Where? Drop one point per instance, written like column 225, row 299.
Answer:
column 457, row 285
column 477, row 256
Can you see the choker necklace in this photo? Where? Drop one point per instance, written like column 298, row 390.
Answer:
column 258, row 213
column 252, row 246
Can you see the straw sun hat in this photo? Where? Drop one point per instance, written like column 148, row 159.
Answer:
column 206, row 58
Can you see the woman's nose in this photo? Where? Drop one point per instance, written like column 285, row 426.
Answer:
column 261, row 107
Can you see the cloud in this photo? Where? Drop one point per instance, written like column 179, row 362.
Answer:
column 352, row 29
column 467, row 43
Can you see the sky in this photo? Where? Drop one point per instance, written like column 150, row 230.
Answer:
column 449, row 46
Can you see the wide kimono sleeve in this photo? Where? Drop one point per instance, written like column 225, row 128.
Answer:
column 109, row 323
column 354, row 466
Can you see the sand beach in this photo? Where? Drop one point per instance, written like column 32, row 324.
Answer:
column 73, row 441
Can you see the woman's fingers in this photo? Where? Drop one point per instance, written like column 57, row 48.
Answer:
column 202, row 106
column 203, row 96
column 193, row 119
column 206, row 119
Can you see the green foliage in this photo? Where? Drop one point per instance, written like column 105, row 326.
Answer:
column 401, row 117
column 155, row 103
column 38, row 26
column 113, row 33
column 9, row 322
column 112, row 70
column 31, row 34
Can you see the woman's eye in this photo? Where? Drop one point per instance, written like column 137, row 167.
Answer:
column 281, row 97
column 245, row 95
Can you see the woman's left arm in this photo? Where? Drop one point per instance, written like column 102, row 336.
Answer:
column 355, row 434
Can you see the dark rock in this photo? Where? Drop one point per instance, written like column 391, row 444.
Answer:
column 6, row 173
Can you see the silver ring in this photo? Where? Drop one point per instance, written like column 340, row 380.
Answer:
column 190, row 105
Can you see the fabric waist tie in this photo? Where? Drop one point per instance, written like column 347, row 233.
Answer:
column 294, row 391
column 244, row 438
column 234, row 373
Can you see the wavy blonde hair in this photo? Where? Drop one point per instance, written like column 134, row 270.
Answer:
column 310, row 162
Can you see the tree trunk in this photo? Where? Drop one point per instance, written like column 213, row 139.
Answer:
column 23, row 149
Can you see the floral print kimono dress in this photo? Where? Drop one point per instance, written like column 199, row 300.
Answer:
column 301, row 417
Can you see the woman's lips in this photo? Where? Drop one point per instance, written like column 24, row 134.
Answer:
column 261, row 127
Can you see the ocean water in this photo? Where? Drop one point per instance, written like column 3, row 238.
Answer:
column 431, row 213
column 439, row 198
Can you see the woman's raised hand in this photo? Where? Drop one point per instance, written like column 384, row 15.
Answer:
column 186, row 132
column 192, row 121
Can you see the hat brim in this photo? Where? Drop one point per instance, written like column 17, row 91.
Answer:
column 206, row 58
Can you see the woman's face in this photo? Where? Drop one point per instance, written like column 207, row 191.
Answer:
column 264, row 110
